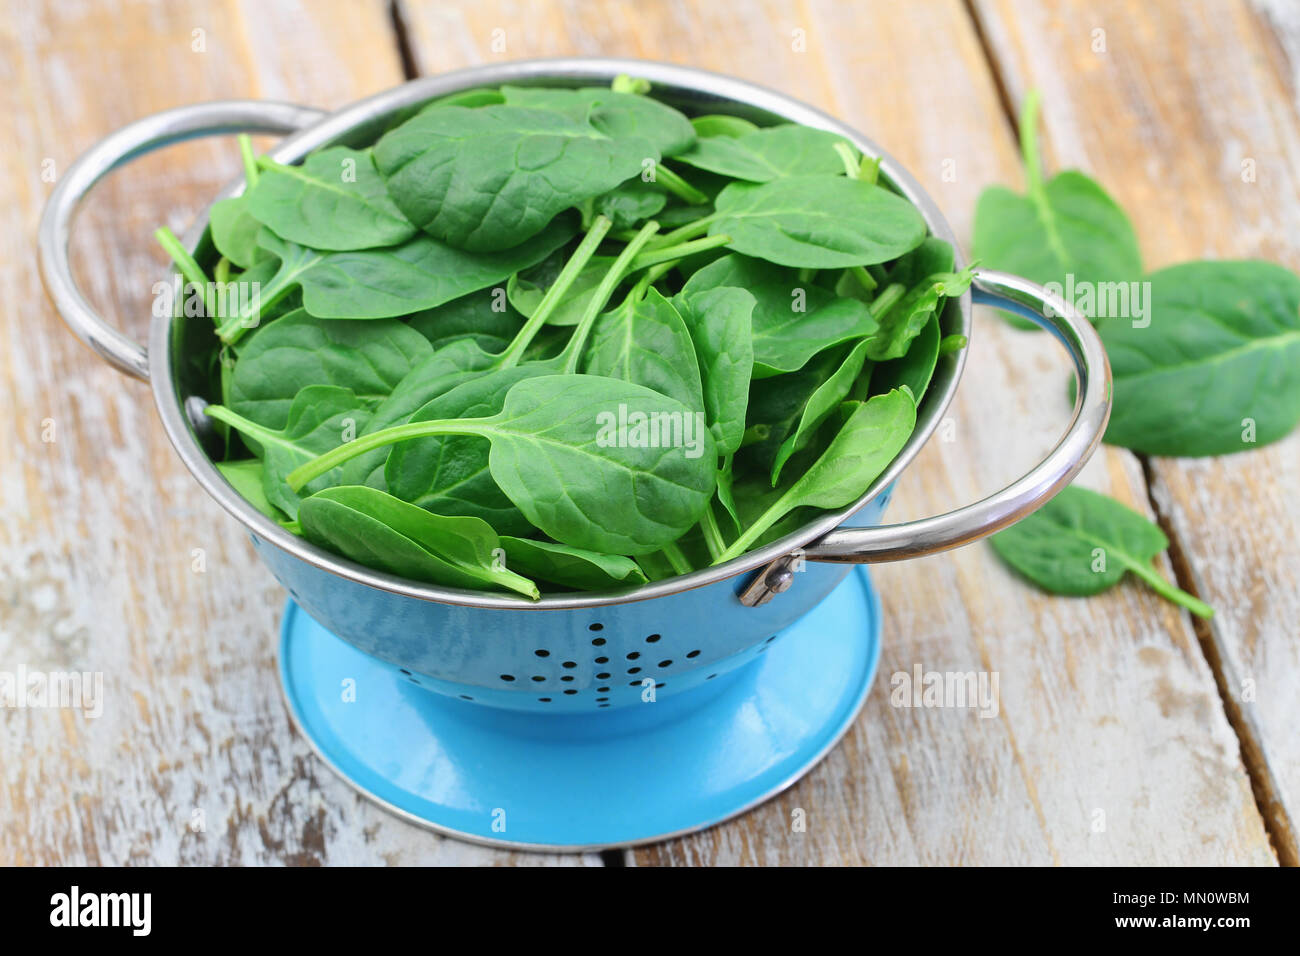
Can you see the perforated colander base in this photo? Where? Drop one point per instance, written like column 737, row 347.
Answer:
column 594, row 780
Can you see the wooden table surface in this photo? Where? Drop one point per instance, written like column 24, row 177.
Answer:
column 1128, row 733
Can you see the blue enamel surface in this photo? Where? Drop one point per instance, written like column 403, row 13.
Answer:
column 604, row 777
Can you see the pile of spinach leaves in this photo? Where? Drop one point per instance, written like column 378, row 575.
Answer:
column 554, row 339
column 1206, row 360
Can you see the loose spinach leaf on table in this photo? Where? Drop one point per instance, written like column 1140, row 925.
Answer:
column 1082, row 543
column 1217, row 370
column 1068, row 225
column 487, row 179
column 383, row 532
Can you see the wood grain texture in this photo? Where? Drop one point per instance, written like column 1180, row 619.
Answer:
column 1110, row 745
column 1192, row 121
column 113, row 560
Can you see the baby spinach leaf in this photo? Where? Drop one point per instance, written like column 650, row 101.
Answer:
column 630, row 202
column 616, row 114
column 821, row 404
column 1082, row 542
column 248, row 478
column 646, row 342
column 720, row 322
column 487, row 179
column 817, row 222
column 717, row 124
column 767, row 154
column 571, row 567
column 380, row 531
column 905, row 319
column 1066, row 226
column 1217, row 370
column 419, row 274
column 527, row 289
column 863, row 448
column 592, row 462
column 450, row 474
column 335, row 200
column 485, row 317
column 281, row 359
column 792, row 320
column 234, row 230
column 321, row 418
column 915, row 368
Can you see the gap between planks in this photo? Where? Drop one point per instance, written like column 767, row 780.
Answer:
column 1280, row 829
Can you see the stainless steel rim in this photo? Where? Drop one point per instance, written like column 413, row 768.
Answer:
column 812, row 540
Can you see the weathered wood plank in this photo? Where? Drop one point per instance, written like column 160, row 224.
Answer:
column 1193, row 123
column 101, row 527
column 1106, row 704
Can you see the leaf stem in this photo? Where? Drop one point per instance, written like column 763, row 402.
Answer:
column 678, row 187
column 864, row 278
column 888, row 298
column 1169, row 591
column 689, row 231
column 852, row 166
column 586, row 249
column 751, row 534
column 572, row 353
column 676, row 558
column 713, row 539
column 1029, row 143
column 655, row 256
column 250, row 161
column 385, row 436
column 189, row 266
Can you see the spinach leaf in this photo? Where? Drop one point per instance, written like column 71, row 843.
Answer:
column 234, row 230
column 526, row 290
column 1066, row 226
column 817, row 222
column 792, row 320
column 767, row 154
column 592, row 462
column 571, row 567
column 720, row 322
column 903, row 321
column 248, row 478
column 1217, row 370
column 630, row 202
column 382, row 532
column 1082, row 542
column 645, row 341
column 487, row 179
column 335, row 200
column 419, row 274
column 915, row 368
column 862, row 449
column 718, row 124
column 281, row 359
column 826, row 399
column 618, row 115
column 485, row 318
column 321, row 418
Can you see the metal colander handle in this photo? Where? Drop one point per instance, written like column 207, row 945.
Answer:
column 912, row 539
column 130, row 142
